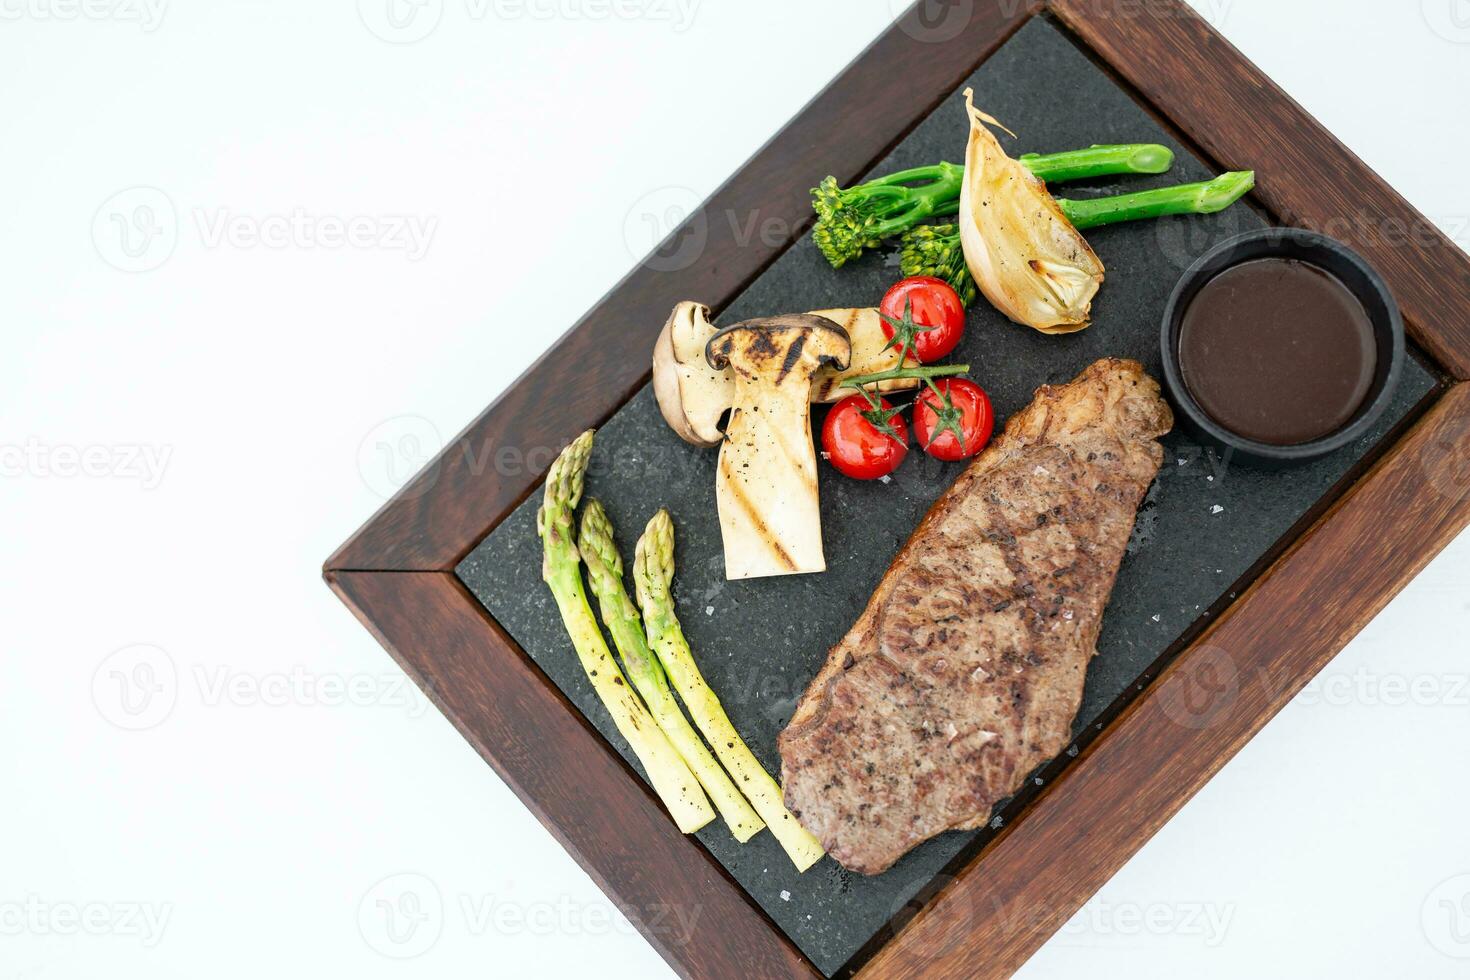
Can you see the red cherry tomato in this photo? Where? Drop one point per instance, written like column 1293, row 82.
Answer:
column 968, row 409
column 856, row 446
column 931, row 303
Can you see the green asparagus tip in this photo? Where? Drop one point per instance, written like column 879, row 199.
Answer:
column 596, row 540
column 1225, row 190
column 654, row 558
column 565, row 479
column 554, row 518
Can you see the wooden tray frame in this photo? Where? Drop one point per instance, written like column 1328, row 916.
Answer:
column 397, row 572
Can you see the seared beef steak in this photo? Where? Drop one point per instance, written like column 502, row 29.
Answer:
column 965, row 671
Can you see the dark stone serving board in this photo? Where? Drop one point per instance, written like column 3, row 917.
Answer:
column 1202, row 529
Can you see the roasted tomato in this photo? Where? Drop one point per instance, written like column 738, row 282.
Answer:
column 864, row 442
column 929, row 311
column 957, row 422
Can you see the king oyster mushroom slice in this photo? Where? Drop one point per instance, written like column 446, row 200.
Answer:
column 766, row 482
column 693, row 395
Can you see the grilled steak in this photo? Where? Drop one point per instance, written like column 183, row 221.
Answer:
column 965, row 671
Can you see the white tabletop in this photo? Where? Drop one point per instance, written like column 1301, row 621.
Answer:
column 346, row 247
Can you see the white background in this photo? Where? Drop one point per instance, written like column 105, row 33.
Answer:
column 184, row 444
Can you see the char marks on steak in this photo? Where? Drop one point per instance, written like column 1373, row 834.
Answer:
column 965, row 671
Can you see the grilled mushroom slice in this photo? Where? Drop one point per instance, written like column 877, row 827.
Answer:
column 693, row 395
column 766, row 484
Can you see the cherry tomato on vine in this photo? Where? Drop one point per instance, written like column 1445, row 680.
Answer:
column 929, row 311
column 957, row 422
column 863, row 441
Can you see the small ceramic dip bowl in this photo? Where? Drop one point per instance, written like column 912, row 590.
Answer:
column 1281, row 346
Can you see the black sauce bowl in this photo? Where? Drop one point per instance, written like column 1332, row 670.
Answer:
column 1354, row 272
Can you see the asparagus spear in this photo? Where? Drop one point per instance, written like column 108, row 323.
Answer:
column 653, row 570
column 605, row 573
column 852, row 219
column 934, row 250
column 561, row 569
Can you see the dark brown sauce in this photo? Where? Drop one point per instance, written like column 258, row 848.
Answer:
column 1278, row 351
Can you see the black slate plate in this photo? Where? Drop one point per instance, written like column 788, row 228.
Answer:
column 1202, row 529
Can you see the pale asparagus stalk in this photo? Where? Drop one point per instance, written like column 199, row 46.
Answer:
column 561, row 568
column 653, row 570
column 605, row 574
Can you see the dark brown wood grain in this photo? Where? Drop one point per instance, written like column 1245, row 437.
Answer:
column 1306, row 176
column 441, row 514
column 1199, row 713
column 582, row 791
column 396, row 572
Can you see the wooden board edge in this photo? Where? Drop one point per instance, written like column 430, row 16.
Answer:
column 596, row 807
column 1199, row 713
column 435, row 519
column 1245, row 121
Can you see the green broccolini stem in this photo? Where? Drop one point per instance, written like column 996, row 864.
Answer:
column 849, row 221
column 1208, row 197
column 1100, row 161
column 653, row 571
column 561, row 569
column 605, row 574
column 853, row 219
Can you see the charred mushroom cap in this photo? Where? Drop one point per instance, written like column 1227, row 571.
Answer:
column 691, row 395
column 780, row 346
